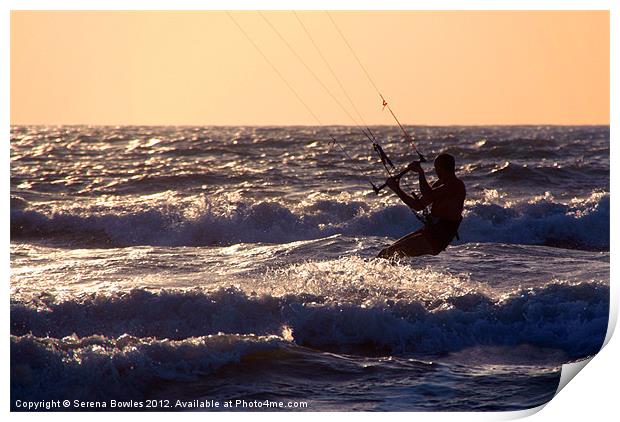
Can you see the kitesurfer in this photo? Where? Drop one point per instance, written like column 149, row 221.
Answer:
column 446, row 197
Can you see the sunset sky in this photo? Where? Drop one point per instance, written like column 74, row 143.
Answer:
column 197, row 68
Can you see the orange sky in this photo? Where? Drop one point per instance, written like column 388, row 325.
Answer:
column 197, row 68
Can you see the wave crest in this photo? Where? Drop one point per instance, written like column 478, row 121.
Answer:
column 97, row 368
column 569, row 317
column 543, row 221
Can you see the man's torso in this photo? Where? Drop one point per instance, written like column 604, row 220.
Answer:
column 449, row 205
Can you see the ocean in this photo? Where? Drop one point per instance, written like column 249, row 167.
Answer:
column 234, row 264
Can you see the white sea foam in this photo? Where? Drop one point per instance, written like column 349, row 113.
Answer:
column 337, row 306
column 580, row 224
column 126, row 367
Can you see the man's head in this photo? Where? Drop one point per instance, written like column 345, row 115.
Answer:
column 444, row 166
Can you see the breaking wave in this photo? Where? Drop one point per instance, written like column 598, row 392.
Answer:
column 580, row 224
column 569, row 317
column 125, row 368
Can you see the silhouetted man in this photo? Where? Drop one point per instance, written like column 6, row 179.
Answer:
column 446, row 197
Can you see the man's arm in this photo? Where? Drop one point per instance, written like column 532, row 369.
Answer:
column 426, row 191
column 429, row 193
column 410, row 201
column 425, row 188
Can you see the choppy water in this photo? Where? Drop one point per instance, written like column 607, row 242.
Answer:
column 232, row 262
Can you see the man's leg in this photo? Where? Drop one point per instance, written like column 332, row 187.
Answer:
column 414, row 244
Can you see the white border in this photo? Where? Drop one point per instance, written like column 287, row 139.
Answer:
column 591, row 395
